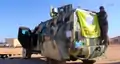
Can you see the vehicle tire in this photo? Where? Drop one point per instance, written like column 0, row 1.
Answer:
column 51, row 61
column 5, row 56
column 87, row 61
column 2, row 56
column 73, row 58
column 26, row 54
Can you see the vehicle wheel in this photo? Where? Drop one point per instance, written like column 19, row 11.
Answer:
column 2, row 56
column 51, row 61
column 5, row 56
column 88, row 61
column 73, row 58
column 26, row 54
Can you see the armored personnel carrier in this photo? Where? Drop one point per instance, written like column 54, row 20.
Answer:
column 71, row 34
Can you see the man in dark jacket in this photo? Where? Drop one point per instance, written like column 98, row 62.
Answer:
column 102, row 16
column 103, row 22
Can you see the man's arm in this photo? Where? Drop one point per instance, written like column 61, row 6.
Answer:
column 94, row 12
column 90, row 11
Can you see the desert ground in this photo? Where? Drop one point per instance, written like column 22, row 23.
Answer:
column 112, row 56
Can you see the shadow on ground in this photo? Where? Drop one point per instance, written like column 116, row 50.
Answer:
column 22, row 61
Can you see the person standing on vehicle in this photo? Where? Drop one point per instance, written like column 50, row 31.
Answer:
column 102, row 17
column 103, row 22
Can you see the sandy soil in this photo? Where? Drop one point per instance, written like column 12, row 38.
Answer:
column 10, row 50
column 112, row 54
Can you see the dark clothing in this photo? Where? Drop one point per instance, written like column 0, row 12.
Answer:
column 104, row 31
column 102, row 17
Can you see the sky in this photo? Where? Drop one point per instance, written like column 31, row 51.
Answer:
column 29, row 13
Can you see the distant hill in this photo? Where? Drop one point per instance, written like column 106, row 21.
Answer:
column 115, row 40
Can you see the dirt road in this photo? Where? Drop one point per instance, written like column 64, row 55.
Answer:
column 112, row 54
column 10, row 50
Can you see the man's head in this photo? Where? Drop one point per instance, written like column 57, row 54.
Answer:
column 101, row 8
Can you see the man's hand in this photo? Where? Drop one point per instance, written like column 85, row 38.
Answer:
column 90, row 10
